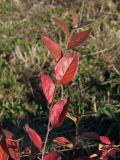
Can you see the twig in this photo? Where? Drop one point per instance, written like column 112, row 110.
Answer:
column 116, row 70
column 46, row 139
column 77, row 131
column 48, row 131
column 15, row 140
column 98, row 52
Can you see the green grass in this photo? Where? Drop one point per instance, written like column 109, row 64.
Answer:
column 23, row 56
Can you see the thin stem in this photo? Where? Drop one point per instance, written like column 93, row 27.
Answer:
column 99, row 52
column 79, row 113
column 48, row 129
column 116, row 70
column 46, row 139
column 77, row 131
column 15, row 140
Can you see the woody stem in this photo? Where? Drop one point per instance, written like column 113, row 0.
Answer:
column 46, row 139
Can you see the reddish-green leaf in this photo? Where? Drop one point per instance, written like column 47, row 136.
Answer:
column 66, row 68
column 77, row 39
column 13, row 148
column 63, row 141
column 54, row 155
column 105, row 140
column 35, row 138
column 53, row 47
column 48, row 87
column 58, row 112
column 62, row 25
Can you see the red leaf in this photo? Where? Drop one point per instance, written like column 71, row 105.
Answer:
column 105, row 140
column 35, row 138
column 11, row 145
column 58, row 112
column 7, row 133
column 77, row 39
column 13, row 148
column 54, row 155
column 62, row 25
column 53, row 47
column 63, row 141
column 113, row 153
column 66, row 68
column 90, row 135
column 104, row 156
column 48, row 87
column 4, row 155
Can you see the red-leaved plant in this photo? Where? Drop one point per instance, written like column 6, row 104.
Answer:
column 66, row 66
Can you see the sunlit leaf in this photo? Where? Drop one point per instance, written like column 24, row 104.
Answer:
column 62, row 25
column 48, row 87
column 77, row 39
column 70, row 116
column 66, row 68
column 53, row 47
column 35, row 138
column 58, row 112
column 63, row 141
column 105, row 140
